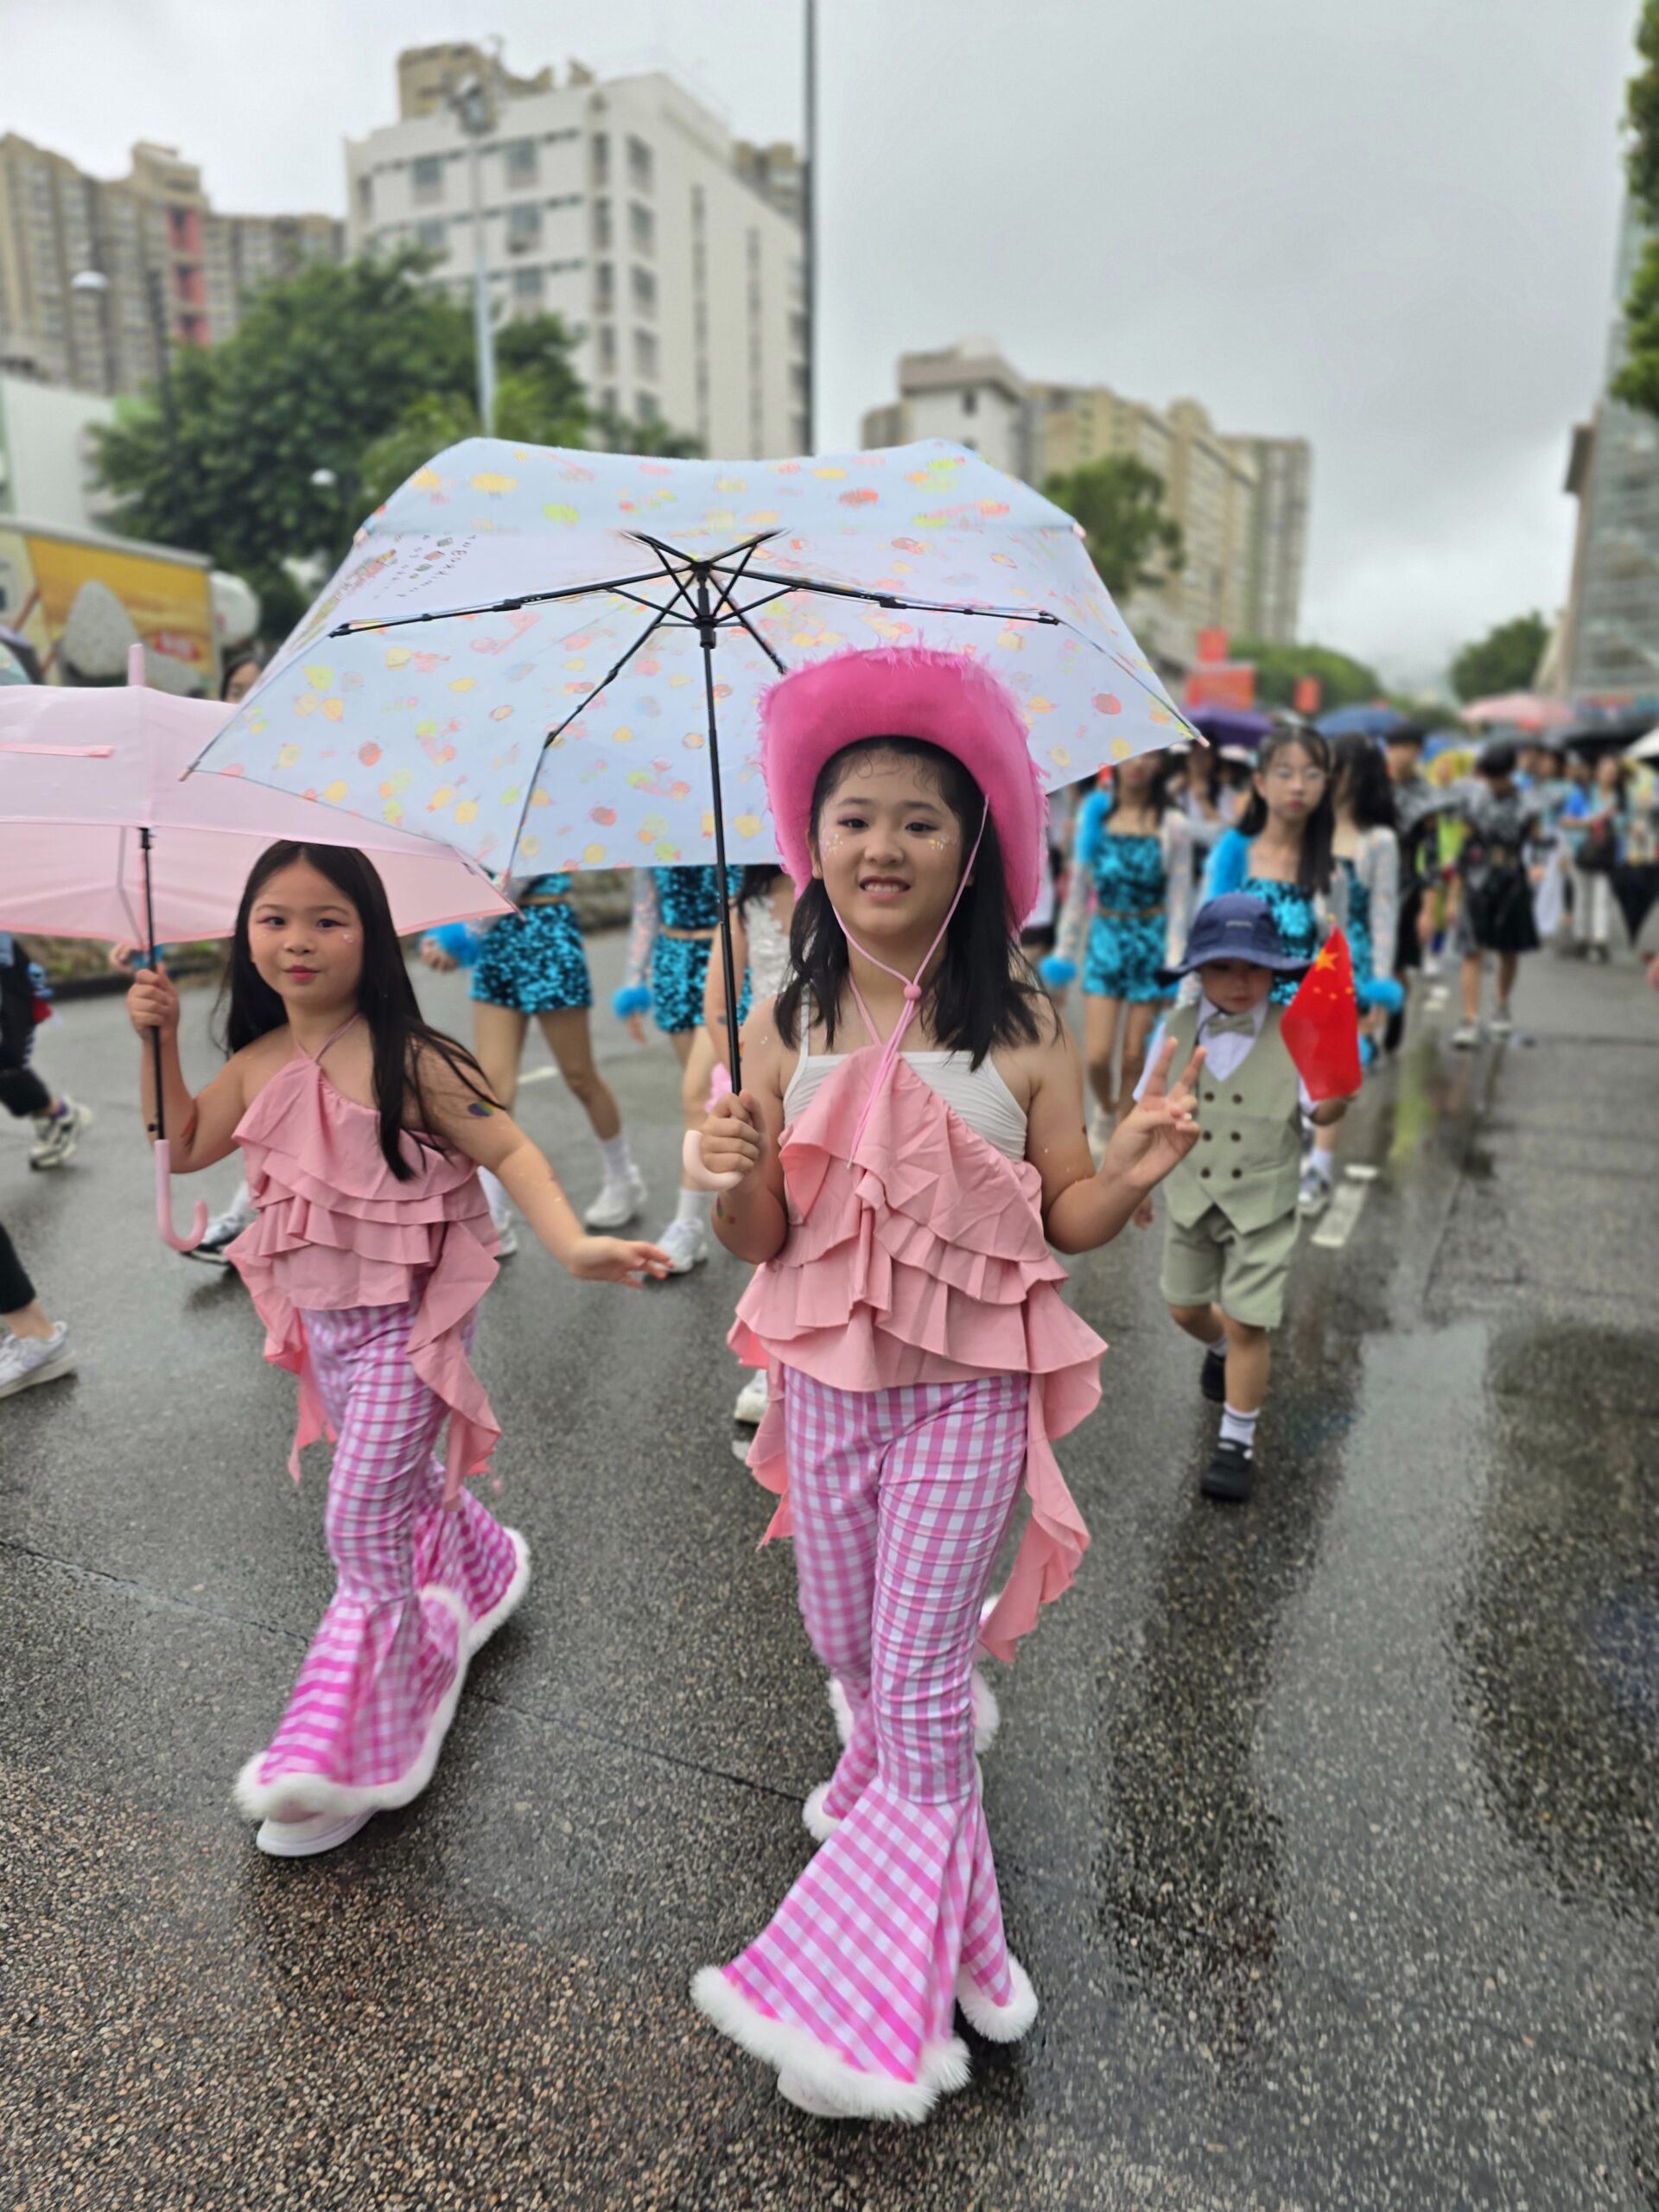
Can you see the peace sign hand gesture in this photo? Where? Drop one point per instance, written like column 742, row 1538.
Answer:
column 1160, row 1129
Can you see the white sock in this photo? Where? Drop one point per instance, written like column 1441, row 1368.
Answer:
column 1239, row 1428
column 1220, row 1343
column 495, row 1191
column 696, row 1205
column 1322, row 1163
column 618, row 1160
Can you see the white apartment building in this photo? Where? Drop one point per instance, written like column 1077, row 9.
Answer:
column 965, row 392
column 622, row 208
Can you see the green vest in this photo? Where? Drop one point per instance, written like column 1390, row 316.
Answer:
column 1247, row 1159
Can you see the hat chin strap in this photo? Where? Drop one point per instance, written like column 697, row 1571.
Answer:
column 911, row 983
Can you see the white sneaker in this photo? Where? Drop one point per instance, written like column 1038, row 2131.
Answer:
column 751, row 1407
column 1502, row 1022
column 509, row 1236
column 313, row 1831
column 686, row 1245
column 618, row 1202
column 1431, row 966
column 1465, row 1036
column 57, row 1134
column 27, row 1360
column 1315, row 1193
column 221, row 1232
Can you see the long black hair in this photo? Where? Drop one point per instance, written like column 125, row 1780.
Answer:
column 1155, row 794
column 254, row 652
column 248, row 1008
column 983, row 991
column 1313, row 866
column 1360, row 771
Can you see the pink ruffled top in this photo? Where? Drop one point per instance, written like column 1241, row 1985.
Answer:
column 336, row 1228
column 916, row 1254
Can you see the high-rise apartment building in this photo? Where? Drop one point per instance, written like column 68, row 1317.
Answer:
column 967, row 393
column 173, row 267
column 1277, row 529
column 1242, row 503
column 673, row 254
column 1609, row 645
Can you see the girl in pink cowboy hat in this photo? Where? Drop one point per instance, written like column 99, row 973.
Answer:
column 898, row 1198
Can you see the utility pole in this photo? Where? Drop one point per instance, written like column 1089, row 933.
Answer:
column 470, row 104
column 810, row 224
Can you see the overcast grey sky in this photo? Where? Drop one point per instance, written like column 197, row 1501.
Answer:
column 1386, row 224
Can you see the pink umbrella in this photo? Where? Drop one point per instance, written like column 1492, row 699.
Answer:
column 1524, row 710
column 100, row 837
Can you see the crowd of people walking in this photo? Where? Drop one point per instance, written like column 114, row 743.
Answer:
column 906, row 1155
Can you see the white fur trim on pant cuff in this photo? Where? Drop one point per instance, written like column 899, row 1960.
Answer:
column 987, row 1714
column 315, row 1793
column 841, row 1705
column 998, row 2023
column 854, row 2092
column 820, row 1824
column 508, row 1604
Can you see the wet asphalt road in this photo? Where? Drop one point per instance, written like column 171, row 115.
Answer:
column 1326, row 1829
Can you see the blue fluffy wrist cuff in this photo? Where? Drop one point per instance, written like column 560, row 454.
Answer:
column 633, row 998
column 1383, row 991
column 1057, row 973
column 459, row 940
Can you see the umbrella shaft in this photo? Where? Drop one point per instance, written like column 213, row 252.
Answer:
column 151, row 956
column 707, row 636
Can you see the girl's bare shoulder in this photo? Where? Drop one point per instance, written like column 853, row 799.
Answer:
column 255, row 1065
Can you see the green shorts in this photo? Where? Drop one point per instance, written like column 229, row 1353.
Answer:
column 1241, row 1270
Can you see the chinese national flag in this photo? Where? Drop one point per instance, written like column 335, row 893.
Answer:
column 1321, row 1026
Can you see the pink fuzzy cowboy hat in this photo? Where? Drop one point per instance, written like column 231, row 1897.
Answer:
column 947, row 699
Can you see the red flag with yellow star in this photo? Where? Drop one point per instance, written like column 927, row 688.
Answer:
column 1321, row 1026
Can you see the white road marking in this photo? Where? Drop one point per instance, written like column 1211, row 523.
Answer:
column 1362, row 1171
column 539, row 1075
column 1340, row 1215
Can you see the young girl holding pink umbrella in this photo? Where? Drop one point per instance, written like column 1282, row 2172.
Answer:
column 363, row 1131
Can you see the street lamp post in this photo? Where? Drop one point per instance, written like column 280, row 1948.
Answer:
column 810, row 224
column 470, row 104
column 95, row 282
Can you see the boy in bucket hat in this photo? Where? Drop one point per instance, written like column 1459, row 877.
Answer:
column 1232, row 1200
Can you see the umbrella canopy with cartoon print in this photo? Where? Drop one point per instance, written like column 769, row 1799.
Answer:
column 540, row 657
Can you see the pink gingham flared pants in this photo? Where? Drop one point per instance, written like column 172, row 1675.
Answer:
column 900, row 1498
column 378, row 1684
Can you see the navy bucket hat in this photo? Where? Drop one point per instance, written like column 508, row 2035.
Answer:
column 1235, row 927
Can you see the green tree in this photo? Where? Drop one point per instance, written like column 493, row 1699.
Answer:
column 1505, row 659
column 355, row 370
column 321, row 363
column 1637, row 381
column 1119, row 503
column 1343, row 682
column 609, row 432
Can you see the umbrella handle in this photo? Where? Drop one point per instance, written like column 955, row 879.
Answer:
column 697, row 1177
column 165, row 1204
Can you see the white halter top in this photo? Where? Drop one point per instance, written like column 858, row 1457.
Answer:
column 978, row 1094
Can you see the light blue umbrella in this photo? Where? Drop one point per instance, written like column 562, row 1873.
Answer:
column 1373, row 721
column 540, row 657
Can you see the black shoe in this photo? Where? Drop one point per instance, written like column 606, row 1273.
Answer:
column 1231, row 1474
column 1212, row 1376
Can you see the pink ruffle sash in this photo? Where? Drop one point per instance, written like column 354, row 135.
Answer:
column 916, row 1254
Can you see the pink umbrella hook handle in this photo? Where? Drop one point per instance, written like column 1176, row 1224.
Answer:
column 697, row 1177
column 170, row 1236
